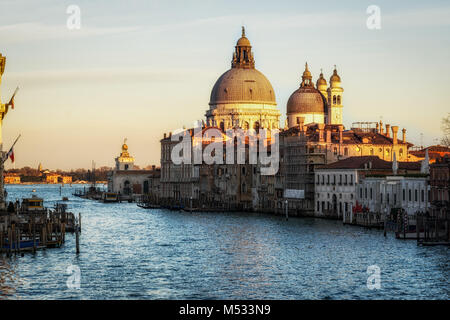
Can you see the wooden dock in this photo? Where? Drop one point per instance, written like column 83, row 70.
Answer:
column 33, row 230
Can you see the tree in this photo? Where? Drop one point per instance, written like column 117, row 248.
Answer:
column 445, row 126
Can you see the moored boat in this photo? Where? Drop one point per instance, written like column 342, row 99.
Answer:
column 110, row 197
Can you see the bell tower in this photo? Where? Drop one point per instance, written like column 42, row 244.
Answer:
column 124, row 161
column 335, row 92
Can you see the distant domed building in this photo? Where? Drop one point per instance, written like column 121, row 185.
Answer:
column 322, row 105
column 243, row 97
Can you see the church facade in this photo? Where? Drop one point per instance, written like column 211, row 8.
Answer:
column 313, row 136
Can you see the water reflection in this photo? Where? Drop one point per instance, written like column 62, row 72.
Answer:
column 132, row 253
column 9, row 280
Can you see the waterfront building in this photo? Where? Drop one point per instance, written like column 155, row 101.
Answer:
column 128, row 181
column 313, row 136
column 52, row 178
column 11, row 178
column 241, row 98
column 407, row 190
column 226, row 186
column 440, row 188
column 66, row 179
column 339, row 185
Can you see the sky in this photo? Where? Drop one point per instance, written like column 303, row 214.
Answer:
column 136, row 69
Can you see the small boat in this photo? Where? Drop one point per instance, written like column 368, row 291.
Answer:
column 148, row 206
column 110, row 197
column 186, row 209
column 33, row 204
column 23, row 244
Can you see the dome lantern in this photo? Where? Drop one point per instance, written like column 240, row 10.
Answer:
column 306, row 78
column 243, row 56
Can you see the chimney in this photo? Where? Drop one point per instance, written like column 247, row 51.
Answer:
column 388, row 134
column 381, row 127
column 394, row 134
column 321, row 127
column 153, row 167
column 378, row 128
column 404, row 135
column 165, row 135
column 328, row 136
column 341, row 128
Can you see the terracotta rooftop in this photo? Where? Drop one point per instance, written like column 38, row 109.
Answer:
column 370, row 162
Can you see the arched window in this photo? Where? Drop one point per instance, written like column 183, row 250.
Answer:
column 339, row 100
column 334, row 99
column 222, row 126
column 345, row 151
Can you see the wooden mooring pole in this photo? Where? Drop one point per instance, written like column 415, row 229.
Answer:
column 77, row 233
column 287, row 210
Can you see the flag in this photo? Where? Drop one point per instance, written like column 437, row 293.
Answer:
column 11, row 102
column 10, row 155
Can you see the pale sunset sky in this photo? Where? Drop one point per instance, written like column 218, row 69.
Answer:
column 137, row 69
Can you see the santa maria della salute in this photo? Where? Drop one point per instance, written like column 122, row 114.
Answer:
column 243, row 97
column 312, row 136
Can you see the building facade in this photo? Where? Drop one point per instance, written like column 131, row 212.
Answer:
column 440, row 188
column 11, row 178
column 313, row 136
column 341, row 185
column 130, row 182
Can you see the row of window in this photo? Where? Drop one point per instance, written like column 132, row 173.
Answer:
column 339, row 208
column 341, row 179
column 368, row 194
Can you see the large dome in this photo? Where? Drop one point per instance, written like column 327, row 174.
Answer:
column 306, row 100
column 239, row 85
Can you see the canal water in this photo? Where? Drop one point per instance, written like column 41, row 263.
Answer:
column 133, row 253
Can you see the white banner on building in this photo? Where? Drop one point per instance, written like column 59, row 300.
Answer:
column 294, row 194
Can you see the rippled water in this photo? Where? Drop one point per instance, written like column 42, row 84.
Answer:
column 133, row 253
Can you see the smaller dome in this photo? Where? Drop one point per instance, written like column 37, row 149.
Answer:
column 335, row 77
column 124, row 147
column 243, row 42
column 306, row 100
column 321, row 81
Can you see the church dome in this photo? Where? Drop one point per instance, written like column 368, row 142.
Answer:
column 306, row 100
column 239, row 85
column 242, row 83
